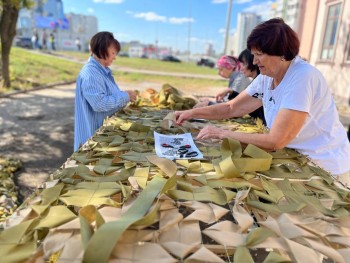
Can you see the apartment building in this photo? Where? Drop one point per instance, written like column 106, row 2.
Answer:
column 245, row 24
column 49, row 16
column 323, row 27
column 330, row 51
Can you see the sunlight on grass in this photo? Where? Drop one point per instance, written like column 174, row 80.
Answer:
column 180, row 83
column 30, row 69
column 151, row 64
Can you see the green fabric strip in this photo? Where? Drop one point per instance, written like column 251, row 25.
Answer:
column 101, row 245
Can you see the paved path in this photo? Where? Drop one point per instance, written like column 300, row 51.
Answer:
column 37, row 127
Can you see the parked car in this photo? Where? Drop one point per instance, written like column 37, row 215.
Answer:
column 170, row 58
column 123, row 54
column 206, row 62
column 25, row 42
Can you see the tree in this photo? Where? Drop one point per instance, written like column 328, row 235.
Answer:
column 8, row 21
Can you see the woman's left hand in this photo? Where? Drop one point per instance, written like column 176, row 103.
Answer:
column 211, row 132
column 201, row 104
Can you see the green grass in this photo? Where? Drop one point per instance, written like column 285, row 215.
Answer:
column 28, row 70
column 32, row 69
column 150, row 64
column 177, row 82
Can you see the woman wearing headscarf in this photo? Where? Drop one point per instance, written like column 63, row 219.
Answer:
column 228, row 68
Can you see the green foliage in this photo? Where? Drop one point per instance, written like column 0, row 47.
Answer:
column 150, row 64
column 31, row 69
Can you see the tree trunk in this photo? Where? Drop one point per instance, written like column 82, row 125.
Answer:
column 8, row 22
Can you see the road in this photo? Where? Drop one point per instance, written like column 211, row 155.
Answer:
column 37, row 128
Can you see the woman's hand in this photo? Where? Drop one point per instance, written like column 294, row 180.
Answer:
column 221, row 95
column 201, row 104
column 132, row 95
column 212, row 132
column 181, row 116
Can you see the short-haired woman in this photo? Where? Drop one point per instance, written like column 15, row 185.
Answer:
column 97, row 94
column 299, row 108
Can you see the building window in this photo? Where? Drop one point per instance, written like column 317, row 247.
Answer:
column 330, row 33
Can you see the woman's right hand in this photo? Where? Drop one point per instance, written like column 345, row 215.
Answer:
column 132, row 95
column 221, row 95
column 181, row 116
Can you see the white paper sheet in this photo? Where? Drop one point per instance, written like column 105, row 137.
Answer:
column 179, row 146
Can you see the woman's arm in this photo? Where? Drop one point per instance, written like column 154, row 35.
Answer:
column 94, row 91
column 286, row 127
column 239, row 106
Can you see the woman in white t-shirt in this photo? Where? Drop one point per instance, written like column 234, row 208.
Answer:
column 299, row 108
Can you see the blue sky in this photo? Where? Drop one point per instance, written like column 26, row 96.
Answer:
column 170, row 22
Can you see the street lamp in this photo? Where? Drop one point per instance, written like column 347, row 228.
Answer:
column 228, row 19
column 189, row 32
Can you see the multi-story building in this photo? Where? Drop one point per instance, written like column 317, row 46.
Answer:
column 330, row 51
column 81, row 27
column 292, row 12
column 47, row 16
column 245, row 24
column 323, row 27
column 209, row 50
column 308, row 16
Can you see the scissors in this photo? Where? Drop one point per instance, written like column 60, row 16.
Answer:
column 183, row 149
column 186, row 146
column 191, row 154
column 167, row 145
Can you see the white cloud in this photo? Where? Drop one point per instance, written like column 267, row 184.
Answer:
column 222, row 31
column 262, row 9
column 219, row 1
column 91, row 10
column 233, row 1
column 242, row 1
column 178, row 20
column 122, row 36
column 109, row 1
column 150, row 16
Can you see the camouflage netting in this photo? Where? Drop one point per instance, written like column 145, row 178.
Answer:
column 8, row 189
column 114, row 200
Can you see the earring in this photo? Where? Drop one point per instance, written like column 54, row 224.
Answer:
column 282, row 58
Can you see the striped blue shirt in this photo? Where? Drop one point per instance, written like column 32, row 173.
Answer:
column 97, row 96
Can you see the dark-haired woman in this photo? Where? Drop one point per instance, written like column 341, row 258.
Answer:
column 97, row 94
column 250, row 71
column 299, row 108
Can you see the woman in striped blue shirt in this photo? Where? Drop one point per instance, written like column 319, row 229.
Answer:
column 97, row 94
